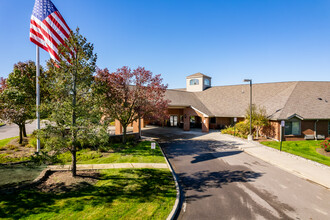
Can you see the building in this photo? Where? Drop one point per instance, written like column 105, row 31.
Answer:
column 304, row 106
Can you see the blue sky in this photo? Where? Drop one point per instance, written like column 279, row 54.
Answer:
column 268, row 41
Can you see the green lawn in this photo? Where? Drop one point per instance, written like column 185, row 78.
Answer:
column 118, row 194
column 306, row 149
column 4, row 142
column 141, row 153
column 4, row 156
column 16, row 174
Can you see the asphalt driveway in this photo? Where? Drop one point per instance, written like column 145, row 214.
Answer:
column 12, row 130
column 219, row 181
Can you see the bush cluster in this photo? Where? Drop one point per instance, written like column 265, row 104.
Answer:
column 326, row 144
column 241, row 129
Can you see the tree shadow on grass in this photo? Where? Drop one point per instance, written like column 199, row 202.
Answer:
column 128, row 185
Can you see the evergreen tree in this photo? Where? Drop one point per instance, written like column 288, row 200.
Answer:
column 74, row 115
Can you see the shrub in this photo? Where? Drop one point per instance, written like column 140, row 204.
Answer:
column 326, row 144
column 241, row 129
column 11, row 147
column 33, row 143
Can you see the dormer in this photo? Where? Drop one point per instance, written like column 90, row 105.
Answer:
column 197, row 82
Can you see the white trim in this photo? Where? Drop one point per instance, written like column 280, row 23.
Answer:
column 295, row 115
column 205, row 115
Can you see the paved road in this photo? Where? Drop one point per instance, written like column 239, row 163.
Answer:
column 221, row 182
column 11, row 130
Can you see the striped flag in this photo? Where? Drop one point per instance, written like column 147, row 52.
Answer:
column 47, row 28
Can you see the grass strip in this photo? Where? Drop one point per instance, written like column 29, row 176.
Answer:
column 306, row 149
column 129, row 153
column 4, row 142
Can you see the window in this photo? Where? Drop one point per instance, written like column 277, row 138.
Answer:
column 213, row 120
column 329, row 127
column 206, row 82
column 194, row 82
column 292, row 128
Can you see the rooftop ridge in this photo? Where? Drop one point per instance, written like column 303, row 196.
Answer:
column 180, row 89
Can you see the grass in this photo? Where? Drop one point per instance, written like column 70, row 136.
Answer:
column 306, row 149
column 5, row 157
column 118, row 194
column 4, row 142
column 16, row 174
column 140, row 153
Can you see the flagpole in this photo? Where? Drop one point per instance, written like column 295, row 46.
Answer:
column 38, row 97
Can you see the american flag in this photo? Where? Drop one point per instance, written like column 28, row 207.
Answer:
column 48, row 29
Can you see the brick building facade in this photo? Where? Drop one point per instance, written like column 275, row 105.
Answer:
column 304, row 106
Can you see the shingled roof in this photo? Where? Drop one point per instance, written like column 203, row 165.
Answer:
column 196, row 75
column 309, row 100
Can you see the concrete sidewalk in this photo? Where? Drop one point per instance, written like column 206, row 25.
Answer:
column 107, row 166
column 296, row 165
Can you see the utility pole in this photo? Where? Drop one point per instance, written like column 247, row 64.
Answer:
column 250, row 137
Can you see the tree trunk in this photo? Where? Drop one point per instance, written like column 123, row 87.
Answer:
column 24, row 130
column 139, row 128
column 74, row 161
column 20, row 134
column 124, row 134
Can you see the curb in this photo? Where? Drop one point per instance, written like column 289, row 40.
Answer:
column 175, row 209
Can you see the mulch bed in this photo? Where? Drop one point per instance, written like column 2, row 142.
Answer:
column 323, row 152
column 16, row 150
column 62, row 182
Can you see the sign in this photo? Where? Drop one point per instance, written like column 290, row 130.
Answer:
column 153, row 145
column 283, row 123
column 235, row 119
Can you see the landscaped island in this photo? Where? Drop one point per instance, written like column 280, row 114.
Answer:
column 93, row 194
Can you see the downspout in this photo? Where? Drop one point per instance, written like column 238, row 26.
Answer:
column 315, row 128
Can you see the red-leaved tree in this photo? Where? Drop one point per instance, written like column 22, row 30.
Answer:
column 129, row 95
column 3, row 84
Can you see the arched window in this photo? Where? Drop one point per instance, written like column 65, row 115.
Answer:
column 194, row 82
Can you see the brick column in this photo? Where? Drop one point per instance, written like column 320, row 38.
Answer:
column 186, row 120
column 136, row 126
column 118, row 127
column 205, row 124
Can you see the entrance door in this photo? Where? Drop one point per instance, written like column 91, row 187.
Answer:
column 174, row 120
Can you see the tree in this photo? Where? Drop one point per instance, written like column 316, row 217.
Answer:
column 259, row 118
column 17, row 96
column 14, row 108
column 74, row 114
column 129, row 95
column 3, row 84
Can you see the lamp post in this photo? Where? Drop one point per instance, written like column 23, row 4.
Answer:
column 250, row 138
